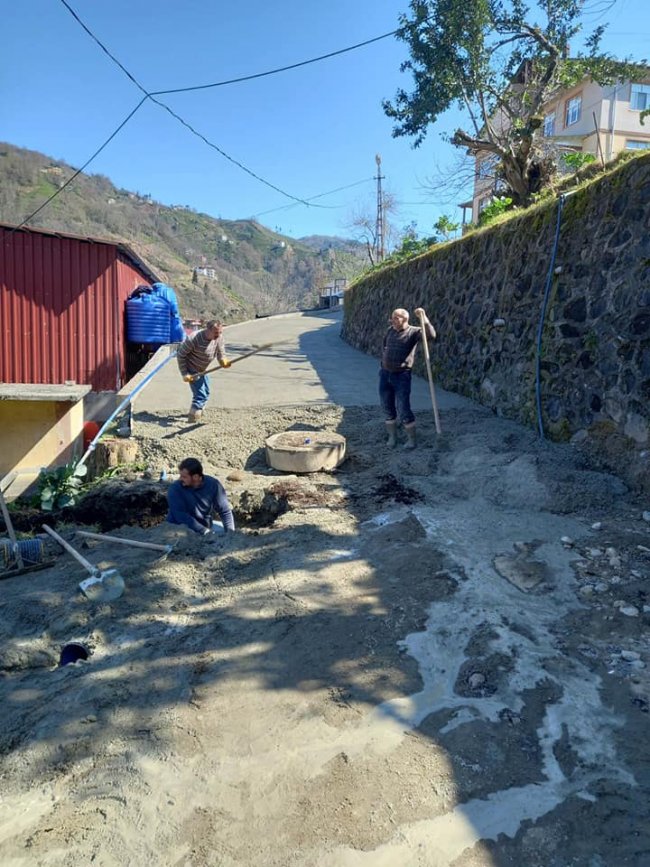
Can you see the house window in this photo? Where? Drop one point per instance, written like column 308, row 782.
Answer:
column 549, row 125
column 573, row 110
column 632, row 145
column 640, row 97
column 483, row 203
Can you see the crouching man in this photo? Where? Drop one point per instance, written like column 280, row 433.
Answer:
column 194, row 498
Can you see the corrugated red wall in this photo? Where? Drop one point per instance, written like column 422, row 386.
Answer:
column 62, row 309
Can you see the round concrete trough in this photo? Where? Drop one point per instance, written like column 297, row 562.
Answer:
column 305, row 451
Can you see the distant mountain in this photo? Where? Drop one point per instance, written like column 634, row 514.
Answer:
column 328, row 242
column 229, row 268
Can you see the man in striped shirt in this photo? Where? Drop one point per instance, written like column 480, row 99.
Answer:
column 398, row 353
column 194, row 356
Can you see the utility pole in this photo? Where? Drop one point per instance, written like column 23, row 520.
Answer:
column 379, row 227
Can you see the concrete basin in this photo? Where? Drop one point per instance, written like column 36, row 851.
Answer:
column 305, row 451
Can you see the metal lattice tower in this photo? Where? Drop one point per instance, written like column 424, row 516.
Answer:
column 379, row 227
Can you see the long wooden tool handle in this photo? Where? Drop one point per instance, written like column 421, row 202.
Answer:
column 85, row 563
column 103, row 537
column 434, row 402
column 234, row 360
column 10, row 530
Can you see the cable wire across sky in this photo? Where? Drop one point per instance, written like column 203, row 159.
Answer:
column 152, row 95
column 149, row 95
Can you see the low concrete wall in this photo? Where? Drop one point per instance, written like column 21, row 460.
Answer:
column 38, row 433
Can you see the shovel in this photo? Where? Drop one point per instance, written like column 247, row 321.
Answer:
column 102, row 586
column 432, row 391
column 134, row 543
column 234, row 361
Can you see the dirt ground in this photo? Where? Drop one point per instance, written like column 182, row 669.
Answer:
column 421, row 659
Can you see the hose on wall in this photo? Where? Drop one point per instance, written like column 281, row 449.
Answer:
column 542, row 318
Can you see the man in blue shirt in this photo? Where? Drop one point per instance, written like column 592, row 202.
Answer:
column 194, row 498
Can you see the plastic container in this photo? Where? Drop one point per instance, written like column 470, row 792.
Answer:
column 91, row 429
column 148, row 319
column 168, row 294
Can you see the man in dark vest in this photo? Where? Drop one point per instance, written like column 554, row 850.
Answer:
column 398, row 353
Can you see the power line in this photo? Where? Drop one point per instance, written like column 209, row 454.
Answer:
column 215, row 147
column 319, row 196
column 150, row 96
column 276, row 70
column 79, row 171
column 104, row 48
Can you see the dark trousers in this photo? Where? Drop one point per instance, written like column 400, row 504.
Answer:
column 395, row 395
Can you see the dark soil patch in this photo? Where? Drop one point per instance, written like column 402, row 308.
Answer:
column 392, row 489
column 109, row 505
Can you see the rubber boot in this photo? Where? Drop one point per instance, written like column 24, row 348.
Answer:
column 411, row 441
column 194, row 414
column 391, row 429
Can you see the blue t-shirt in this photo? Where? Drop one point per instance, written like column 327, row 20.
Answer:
column 194, row 507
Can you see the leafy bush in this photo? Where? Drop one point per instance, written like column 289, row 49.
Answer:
column 494, row 209
column 575, row 161
column 60, row 487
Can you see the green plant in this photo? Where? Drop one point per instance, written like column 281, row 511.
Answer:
column 60, row 487
column 494, row 209
column 575, row 161
column 445, row 227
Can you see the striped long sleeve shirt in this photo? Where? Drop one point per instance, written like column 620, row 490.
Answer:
column 198, row 352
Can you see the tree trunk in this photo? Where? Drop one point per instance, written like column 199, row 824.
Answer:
column 111, row 453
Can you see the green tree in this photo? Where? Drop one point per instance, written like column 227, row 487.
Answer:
column 445, row 227
column 500, row 62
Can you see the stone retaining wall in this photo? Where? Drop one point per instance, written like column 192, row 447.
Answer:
column 595, row 358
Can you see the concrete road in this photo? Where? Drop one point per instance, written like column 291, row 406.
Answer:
column 309, row 363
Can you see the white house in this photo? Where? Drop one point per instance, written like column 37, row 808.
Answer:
column 588, row 117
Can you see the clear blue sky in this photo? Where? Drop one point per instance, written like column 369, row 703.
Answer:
column 307, row 131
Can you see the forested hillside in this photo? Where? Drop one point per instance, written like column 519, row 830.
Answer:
column 256, row 271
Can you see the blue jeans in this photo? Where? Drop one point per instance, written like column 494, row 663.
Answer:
column 395, row 394
column 200, row 392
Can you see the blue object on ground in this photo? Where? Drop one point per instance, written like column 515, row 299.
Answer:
column 73, row 652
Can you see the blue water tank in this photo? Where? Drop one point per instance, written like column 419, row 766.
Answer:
column 148, row 319
column 168, row 294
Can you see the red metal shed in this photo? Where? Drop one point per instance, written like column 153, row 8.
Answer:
column 62, row 307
